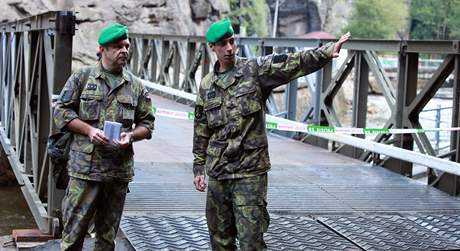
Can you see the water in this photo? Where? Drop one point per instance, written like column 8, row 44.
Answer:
column 427, row 119
column 14, row 212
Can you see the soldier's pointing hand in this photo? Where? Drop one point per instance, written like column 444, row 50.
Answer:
column 338, row 45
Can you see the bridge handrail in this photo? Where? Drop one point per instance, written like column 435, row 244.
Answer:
column 410, row 46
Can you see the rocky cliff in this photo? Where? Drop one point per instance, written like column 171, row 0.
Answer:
column 179, row 17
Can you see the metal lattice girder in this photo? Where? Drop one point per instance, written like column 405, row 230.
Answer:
column 334, row 87
column 36, row 55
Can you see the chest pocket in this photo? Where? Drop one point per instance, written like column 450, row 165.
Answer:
column 90, row 106
column 214, row 112
column 127, row 107
column 248, row 101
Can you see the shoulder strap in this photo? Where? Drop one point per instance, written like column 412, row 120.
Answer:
column 86, row 73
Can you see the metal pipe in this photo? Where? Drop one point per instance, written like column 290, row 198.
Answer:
column 275, row 18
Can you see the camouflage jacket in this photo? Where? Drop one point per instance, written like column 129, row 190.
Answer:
column 229, row 138
column 93, row 102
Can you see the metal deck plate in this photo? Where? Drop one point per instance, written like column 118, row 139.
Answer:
column 447, row 225
column 388, row 232
column 315, row 189
column 158, row 232
column 287, row 232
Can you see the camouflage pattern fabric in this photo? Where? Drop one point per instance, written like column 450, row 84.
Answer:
column 80, row 203
column 230, row 142
column 128, row 102
column 237, row 208
column 229, row 139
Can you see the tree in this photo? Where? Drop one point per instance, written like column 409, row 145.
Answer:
column 250, row 15
column 432, row 19
column 383, row 19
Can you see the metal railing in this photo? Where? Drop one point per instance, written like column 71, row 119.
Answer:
column 181, row 61
column 35, row 62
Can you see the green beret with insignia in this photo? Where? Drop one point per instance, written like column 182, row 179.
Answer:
column 112, row 33
column 218, row 30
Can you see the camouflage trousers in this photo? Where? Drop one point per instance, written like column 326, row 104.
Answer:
column 85, row 199
column 237, row 208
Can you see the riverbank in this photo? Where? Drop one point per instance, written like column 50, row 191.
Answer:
column 14, row 212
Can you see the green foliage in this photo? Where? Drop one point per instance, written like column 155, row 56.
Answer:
column 377, row 19
column 251, row 15
column 433, row 19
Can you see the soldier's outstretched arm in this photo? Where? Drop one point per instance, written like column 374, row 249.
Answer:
column 278, row 69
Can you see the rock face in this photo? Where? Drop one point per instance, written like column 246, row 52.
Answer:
column 178, row 17
column 297, row 17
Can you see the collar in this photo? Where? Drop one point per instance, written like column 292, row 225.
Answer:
column 100, row 72
column 236, row 73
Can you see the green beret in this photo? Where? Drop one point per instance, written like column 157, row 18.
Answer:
column 112, row 33
column 218, row 30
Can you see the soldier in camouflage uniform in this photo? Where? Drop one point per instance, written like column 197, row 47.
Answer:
column 230, row 142
column 100, row 170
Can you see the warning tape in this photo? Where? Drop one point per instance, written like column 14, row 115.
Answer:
column 275, row 123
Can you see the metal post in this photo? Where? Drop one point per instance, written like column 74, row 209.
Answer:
column 406, row 92
column 317, row 97
column 437, row 125
column 275, row 18
column 291, row 99
column 65, row 29
column 359, row 110
column 455, row 136
column 176, row 65
column 153, row 61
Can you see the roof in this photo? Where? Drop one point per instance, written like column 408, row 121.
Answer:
column 317, row 35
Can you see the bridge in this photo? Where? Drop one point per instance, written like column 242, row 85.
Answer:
column 333, row 184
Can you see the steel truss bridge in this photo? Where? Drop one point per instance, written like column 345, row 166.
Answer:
column 35, row 61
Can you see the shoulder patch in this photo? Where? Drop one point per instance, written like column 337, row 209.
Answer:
column 280, row 58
